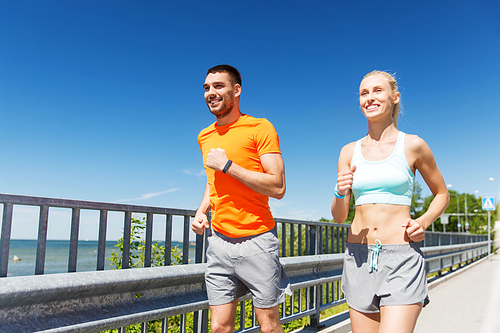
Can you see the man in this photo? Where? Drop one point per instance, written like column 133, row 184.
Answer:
column 244, row 168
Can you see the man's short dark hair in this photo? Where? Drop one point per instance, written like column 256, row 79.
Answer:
column 233, row 72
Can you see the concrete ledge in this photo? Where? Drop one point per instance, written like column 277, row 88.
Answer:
column 339, row 323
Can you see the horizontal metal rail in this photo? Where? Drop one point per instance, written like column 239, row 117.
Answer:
column 311, row 252
column 438, row 258
column 96, row 301
column 434, row 238
column 92, row 205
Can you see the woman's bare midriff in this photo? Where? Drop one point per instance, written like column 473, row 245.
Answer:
column 379, row 221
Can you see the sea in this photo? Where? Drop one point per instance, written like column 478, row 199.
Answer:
column 57, row 256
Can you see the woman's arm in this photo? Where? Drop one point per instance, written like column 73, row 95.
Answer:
column 426, row 165
column 340, row 206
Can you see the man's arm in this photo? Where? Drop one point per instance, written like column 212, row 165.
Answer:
column 270, row 183
column 200, row 221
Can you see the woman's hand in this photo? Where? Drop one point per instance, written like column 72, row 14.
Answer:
column 414, row 230
column 344, row 180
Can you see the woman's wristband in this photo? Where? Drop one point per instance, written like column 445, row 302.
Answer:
column 228, row 164
column 337, row 195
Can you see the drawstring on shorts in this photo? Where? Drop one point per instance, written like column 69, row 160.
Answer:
column 374, row 255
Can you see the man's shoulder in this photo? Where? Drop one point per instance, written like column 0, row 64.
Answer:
column 257, row 122
column 207, row 130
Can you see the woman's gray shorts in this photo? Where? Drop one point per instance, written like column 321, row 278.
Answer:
column 399, row 280
column 236, row 266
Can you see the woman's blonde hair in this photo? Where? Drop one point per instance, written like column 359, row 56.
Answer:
column 394, row 87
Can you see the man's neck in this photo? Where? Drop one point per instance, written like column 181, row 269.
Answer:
column 229, row 118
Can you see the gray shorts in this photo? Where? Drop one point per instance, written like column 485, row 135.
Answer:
column 398, row 278
column 236, row 266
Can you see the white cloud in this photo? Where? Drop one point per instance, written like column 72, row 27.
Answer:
column 286, row 209
column 148, row 195
column 273, row 203
column 194, row 173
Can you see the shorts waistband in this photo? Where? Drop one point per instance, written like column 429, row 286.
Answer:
column 240, row 239
column 389, row 248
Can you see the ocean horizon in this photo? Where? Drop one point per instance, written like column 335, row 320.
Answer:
column 57, row 256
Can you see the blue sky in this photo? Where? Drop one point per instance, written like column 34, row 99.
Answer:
column 103, row 100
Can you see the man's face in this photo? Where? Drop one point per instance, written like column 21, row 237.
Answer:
column 220, row 93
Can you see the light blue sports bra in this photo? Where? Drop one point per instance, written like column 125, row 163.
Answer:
column 389, row 181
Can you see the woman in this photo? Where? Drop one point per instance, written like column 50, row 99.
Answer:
column 384, row 277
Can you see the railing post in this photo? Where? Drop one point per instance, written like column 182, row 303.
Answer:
column 5, row 238
column 314, row 291
column 313, row 240
column 185, row 240
column 308, row 238
column 41, row 245
column 344, row 239
column 299, row 230
column 315, row 318
column 337, row 238
column 283, row 239
column 168, row 240
column 164, row 326
column 332, row 240
column 320, row 240
column 200, row 324
column 149, row 240
column 200, row 320
column 101, row 246
column 73, row 243
column 127, row 230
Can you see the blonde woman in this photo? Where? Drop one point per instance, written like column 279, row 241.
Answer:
column 384, row 277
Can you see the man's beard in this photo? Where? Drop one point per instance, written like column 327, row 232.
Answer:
column 222, row 112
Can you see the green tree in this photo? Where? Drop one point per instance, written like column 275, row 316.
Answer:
column 417, row 202
column 476, row 217
column 479, row 222
column 136, row 260
column 138, row 249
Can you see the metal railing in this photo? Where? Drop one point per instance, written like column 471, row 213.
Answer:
column 92, row 301
column 439, row 258
column 76, row 206
column 433, row 238
column 96, row 301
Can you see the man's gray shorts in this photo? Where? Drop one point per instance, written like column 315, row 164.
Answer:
column 400, row 278
column 236, row 266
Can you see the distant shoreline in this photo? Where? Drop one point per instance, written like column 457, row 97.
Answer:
column 93, row 240
column 57, row 255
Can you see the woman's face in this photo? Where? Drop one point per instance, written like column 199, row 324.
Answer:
column 376, row 98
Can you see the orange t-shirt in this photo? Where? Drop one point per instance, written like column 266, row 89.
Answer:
column 238, row 211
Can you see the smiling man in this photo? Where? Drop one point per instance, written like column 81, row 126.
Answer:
column 244, row 167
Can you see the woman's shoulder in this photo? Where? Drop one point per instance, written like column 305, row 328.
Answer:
column 346, row 153
column 415, row 143
column 348, row 148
